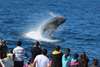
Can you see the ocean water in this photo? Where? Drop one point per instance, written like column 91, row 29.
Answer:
column 80, row 32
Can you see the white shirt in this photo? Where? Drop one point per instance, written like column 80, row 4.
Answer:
column 19, row 53
column 41, row 61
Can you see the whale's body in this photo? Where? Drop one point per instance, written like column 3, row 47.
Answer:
column 44, row 31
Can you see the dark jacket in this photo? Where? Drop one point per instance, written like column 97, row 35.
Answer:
column 56, row 57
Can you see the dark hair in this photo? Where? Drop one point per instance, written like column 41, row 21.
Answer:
column 3, row 43
column 37, row 43
column 67, row 50
column 83, row 55
column 75, row 56
column 57, row 48
column 19, row 43
column 44, row 51
column 95, row 61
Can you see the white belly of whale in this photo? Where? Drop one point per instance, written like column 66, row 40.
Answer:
column 36, row 35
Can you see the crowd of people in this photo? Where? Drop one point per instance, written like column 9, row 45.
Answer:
column 40, row 58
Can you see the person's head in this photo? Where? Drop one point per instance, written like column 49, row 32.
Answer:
column 75, row 56
column 3, row 49
column 67, row 51
column 37, row 44
column 44, row 51
column 19, row 43
column 95, row 62
column 58, row 48
column 2, row 43
column 83, row 55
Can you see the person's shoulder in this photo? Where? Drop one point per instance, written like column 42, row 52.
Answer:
column 41, row 56
column 63, row 55
column 37, row 57
column 20, row 47
column 46, row 57
column 14, row 48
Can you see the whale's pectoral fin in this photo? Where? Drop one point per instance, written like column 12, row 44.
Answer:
column 50, row 27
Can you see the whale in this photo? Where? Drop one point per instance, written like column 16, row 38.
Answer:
column 44, row 31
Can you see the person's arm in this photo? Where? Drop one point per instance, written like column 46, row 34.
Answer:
column 49, row 65
column 1, row 64
column 13, row 54
column 34, row 64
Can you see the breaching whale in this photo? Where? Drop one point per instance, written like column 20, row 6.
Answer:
column 44, row 30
